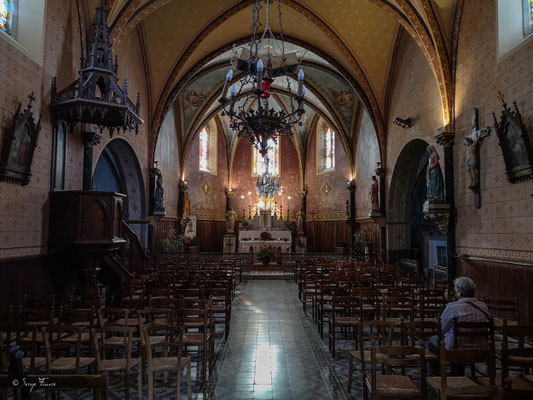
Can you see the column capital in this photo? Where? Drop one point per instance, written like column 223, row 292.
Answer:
column 182, row 185
column 91, row 138
column 445, row 137
column 350, row 186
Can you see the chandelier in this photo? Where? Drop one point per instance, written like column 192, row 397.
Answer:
column 267, row 186
column 261, row 62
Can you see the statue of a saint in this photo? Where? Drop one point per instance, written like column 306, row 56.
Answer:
column 472, row 162
column 300, row 222
column 374, row 194
column 347, row 209
column 159, row 191
column 433, row 180
column 231, row 217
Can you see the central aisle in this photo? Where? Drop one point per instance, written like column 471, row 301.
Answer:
column 273, row 351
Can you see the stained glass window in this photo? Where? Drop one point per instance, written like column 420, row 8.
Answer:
column 207, row 151
column 326, row 149
column 258, row 162
column 528, row 20
column 7, row 12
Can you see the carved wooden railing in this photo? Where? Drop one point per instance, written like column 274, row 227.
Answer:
column 132, row 253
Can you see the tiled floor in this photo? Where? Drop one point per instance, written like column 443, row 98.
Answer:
column 273, row 351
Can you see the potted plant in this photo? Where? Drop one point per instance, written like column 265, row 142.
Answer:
column 173, row 243
column 265, row 254
column 245, row 224
column 364, row 237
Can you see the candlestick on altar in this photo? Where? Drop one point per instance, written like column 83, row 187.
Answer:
column 243, row 214
column 288, row 214
column 281, row 211
column 275, row 209
column 249, row 212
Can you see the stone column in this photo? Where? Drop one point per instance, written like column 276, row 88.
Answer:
column 446, row 139
column 90, row 139
column 381, row 174
column 351, row 221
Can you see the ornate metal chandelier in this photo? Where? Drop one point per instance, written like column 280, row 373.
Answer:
column 267, row 186
column 261, row 64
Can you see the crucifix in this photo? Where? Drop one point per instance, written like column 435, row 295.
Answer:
column 474, row 142
column 229, row 245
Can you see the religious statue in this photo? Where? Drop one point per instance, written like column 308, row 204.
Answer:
column 374, row 194
column 186, row 205
column 433, row 180
column 300, row 222
column 474, row 142
column 159, row 191
column 347, row 209
column 231, row 217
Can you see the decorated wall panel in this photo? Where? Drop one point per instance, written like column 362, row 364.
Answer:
column 207, row 191
column 327, row 194
column 366, row 158
column 167, row 154
column 503, row 226
column 242, row 181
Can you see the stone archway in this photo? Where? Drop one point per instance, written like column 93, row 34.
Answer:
column 407, row 228
column 118, row 170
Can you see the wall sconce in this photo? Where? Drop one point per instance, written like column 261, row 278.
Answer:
column 403, row 123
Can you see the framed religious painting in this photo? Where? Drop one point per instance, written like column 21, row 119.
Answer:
column 515, row 143
column 20, row 140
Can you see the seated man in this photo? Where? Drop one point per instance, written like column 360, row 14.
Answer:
column 466, row 309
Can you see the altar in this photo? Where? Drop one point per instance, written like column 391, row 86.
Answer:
column 264, row 230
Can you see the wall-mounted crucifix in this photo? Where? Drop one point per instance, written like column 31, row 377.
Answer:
column 474, row 142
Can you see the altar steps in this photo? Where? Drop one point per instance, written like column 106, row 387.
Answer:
column 270, row 271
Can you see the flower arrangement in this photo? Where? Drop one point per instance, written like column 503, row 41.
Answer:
column 173, row 242
column 265, row 255
column 245, row 224
column 363, row 237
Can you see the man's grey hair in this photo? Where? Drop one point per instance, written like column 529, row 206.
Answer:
column 465, row 287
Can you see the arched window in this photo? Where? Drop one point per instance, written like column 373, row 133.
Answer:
column 8, row 11
column 258, row 163
column 207, row 152
column 515, row 24
column 325, row 149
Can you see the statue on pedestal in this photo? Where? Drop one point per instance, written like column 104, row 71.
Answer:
column 231, row 217
column 156, row 191
column 433, row 179
column 300, row 222
column 374, row 194
column 347, row 209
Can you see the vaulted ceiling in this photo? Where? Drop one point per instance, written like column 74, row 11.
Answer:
column 357, row 38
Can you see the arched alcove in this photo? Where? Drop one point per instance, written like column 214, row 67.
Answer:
column 408, row 230
column 118, row 170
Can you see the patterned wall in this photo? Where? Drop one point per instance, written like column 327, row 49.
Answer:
column 326, row 193
column 24, row 210
column 503, row 226
column 366, row 158
column 167, row 153
column 242, row 181
column 414, row 94
column 207, row 191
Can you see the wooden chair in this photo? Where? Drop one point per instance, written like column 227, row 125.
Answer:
column 397, row 308
column 520, row 355
column 382, row 335
column 416, row 332
column 221, row 306
column 113, row 339
column 194, row 316
column 58, row 350
column 346, row 312
column 503, row 309
column 388, row 386
column 171, row 360
column 462, row 387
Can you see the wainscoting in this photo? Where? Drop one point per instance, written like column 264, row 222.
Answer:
column 210, row 235
column 322, row 237
column 501, row 280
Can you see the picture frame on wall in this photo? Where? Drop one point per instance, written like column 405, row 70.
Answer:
column 515, row 143
column 18, row 146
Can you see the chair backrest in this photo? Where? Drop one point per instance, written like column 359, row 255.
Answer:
column 115, row 331
column 466, row 356
column 415, row 331
column 171, row 341
column 519, row 354
column 397, row 306
column 398, row 356
column 472, row 334
column 62, row 338
column 508, row 309
column 346, row 306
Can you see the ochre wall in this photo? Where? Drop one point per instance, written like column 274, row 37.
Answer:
column 243, row 182
column 207, row 194
column 503, row 226
column 326, row 200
